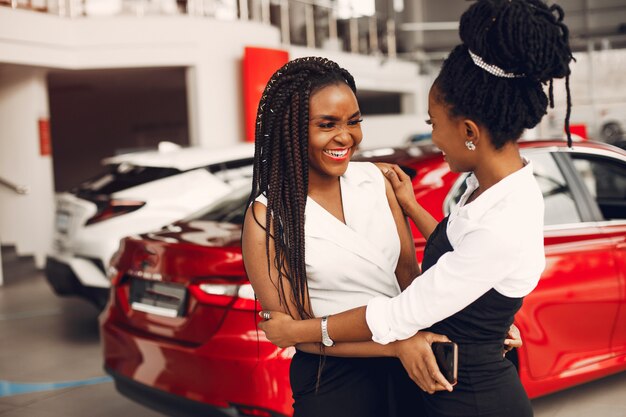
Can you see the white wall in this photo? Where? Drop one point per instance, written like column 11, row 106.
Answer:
column 25, row 220
column 211, row 48
column 597, row 86
column 600, row 76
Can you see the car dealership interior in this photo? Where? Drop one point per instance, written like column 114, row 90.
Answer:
column 127, row 132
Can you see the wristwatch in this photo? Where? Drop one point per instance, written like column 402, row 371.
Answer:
column 326, row 340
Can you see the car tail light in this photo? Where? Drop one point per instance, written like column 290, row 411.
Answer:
column 114, row 208
column 224, row 292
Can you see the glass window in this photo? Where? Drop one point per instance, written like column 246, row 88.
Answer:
column 119, row 177
column 560, row 207
column 457, row 194
column 230, row 209
column 605, row 179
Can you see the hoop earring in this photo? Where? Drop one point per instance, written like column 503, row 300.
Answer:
column 470, row 145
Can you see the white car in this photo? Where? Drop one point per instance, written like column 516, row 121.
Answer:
column 138, row 193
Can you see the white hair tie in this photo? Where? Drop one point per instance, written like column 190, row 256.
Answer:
column 492, row 69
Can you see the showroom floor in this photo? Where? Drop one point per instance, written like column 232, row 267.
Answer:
column 50, row 360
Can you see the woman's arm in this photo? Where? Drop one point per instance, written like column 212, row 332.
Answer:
column 349, row 326
column 455, row 281
column 351, row 349
column 407, row 268
column 255, row 259
column 403, row 188
column 415, row 353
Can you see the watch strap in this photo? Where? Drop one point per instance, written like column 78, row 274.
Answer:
column 326, row 340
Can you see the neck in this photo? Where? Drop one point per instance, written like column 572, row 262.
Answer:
column 498, row 164
column 321, row 184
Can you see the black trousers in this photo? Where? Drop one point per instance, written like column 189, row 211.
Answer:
column 352, row 387
column 488, row 386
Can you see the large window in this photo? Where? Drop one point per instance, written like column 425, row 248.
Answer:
column 380, row 102
column 560, row 207
column 606, row 181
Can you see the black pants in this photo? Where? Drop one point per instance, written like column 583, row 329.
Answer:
column 488, row 386
column 352, row 387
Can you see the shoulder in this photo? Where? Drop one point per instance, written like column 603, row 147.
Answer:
column 367, row 168
column 368, row 172
column 360, row 172
column 255, row 218
column 260, row 199
column 525, row 204
column 528, row 193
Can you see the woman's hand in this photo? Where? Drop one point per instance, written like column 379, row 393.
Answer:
column 402, row 185
column 513, row 339
column 418, row 359
column 279, row 328
column 405, row 195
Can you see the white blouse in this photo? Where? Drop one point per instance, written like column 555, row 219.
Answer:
column 349, row 264
column 498, row 243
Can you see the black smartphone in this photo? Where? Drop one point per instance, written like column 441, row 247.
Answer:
column 447, row 355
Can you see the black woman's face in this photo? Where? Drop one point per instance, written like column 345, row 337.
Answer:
column 334, row 130
column 448, row 133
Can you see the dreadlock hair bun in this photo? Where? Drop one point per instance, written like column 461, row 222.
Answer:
column 520, row 36
column 280, row 169
column 523, row 37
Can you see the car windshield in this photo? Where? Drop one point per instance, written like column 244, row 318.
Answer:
column 230, row 209
column 119, row 177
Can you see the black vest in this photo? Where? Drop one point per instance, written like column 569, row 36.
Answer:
column 486, row 320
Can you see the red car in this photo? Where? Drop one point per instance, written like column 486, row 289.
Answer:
column 179, row 333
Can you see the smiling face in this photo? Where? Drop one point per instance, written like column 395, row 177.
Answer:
column 449, row 134
column 334, row 131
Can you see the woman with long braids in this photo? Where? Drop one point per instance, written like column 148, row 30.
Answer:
column 482, row 259
column 323, row 235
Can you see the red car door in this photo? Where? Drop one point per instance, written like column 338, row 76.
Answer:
column 604, row 177
column 567, row 322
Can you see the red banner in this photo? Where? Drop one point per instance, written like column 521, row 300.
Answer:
column 580, row 130
column 258, row 66
column 45, row 145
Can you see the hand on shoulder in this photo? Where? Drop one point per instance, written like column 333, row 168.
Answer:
column 400, row 183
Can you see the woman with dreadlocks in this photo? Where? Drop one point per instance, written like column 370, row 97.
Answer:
column 323, row 235
column 482, row 259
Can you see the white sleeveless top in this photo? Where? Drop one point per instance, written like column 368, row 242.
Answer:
column 349, row 264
